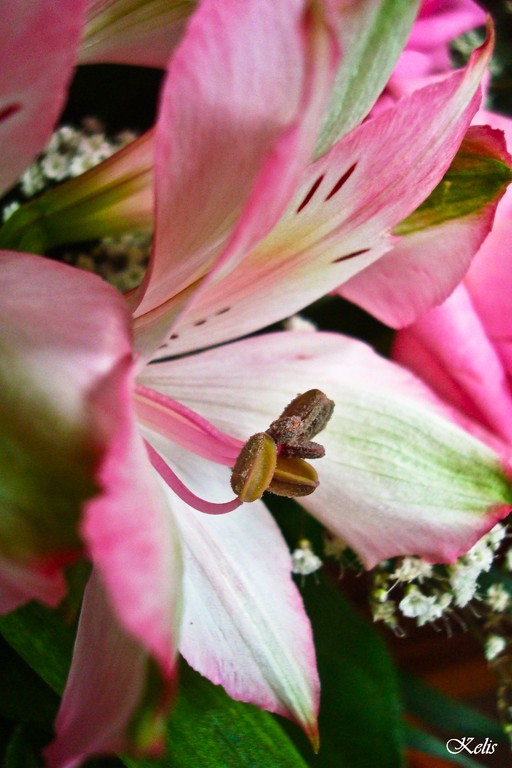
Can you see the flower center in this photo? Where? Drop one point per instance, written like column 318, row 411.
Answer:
column 275, row 460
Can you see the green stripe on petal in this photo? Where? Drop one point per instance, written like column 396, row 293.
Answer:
column 478, row 175
column 137, row 32
column 373, row 33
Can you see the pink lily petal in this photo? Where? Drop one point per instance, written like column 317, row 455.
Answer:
column 341, row 216
column 468, row 371
column 131, row 32
column 18, row 585
column 439, row 22
column 36, row 61
column 489, row 280
column 244, row 625
column 264, row 120
column 131, row 536
column 105, row 688
column 398, row 476
column 428, row 261
column 64, row 335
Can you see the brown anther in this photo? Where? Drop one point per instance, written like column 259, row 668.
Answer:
column 273, row 460
column 254, row 467
column 293, row 477
column 308, row 450
column 302, row 419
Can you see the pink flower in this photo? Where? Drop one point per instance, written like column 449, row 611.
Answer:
column 462, row 348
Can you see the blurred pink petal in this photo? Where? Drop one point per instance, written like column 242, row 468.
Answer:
column 64, row 334
column 131, row 535
column 19, row 584
column 106, row 686
column 37, row 57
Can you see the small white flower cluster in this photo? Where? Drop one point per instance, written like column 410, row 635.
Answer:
column 429, row 592
column 69, row 153
column 121, row 261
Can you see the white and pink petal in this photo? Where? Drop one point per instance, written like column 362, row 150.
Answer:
column 399, row 477
column 244, row 625
column 341, row 218
column 254, row 95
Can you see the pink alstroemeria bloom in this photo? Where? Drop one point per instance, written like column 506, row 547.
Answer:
column 462, row 349
column 66, row 347
column 243, row 236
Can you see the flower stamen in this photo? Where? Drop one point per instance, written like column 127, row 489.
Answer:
column 274, row 460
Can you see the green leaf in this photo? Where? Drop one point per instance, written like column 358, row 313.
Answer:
column 360, row 719
column 479, row 175
column 20, row 751
column 24, row 696
column 424, row 742
column 445, row 713
column 43, row 640
column 373, row 33
column 360, row 709
column 206, row 728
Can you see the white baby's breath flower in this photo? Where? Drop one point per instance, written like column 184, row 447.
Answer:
column 481, row 555
column 304, row 560
column 463, row 581
column 299, row 323
column 494, row 645
column 415, row 603
column 410, row 568
column 497, row 598
column 385, row 612
column 437, row 607
column 495, row 536
column 32, row 181
column 10, row 209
